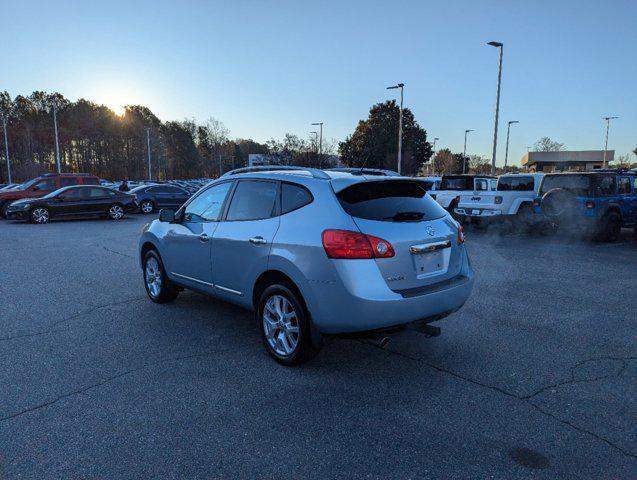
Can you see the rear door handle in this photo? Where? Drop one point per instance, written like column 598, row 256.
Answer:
column 258, row 240
column 204, row 238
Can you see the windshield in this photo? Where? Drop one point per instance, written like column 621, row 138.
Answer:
column 456, row 183
column 390, row 201
column 26, row 185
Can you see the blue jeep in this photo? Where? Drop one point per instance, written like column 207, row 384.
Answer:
column 597, row 204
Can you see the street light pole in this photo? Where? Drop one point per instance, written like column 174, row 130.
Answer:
column 433, row 158
column 497, row 106
column 608, row 119
column 147, row 129
column 57, row 145
column 320, row 143
column 464, row 152
column 506, row 154
column 6, row 147
column 400, row 126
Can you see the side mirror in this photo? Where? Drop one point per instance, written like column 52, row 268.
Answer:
column 166, row 215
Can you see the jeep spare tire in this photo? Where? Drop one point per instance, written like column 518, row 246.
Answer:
column 560, row 204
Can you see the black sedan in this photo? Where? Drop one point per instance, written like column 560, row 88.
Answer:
column 154, row 197
column 79, row 201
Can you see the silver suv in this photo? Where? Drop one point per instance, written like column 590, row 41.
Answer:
column 313, row 253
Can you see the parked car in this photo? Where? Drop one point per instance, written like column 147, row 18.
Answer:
column 313, row 253
column 431, row 184
column 597, row 204
column 79, row 201
column 9, row 186
column 153, row 197
column 43, row 185
column 453, row 186
column 512, row 199
column 365, row 171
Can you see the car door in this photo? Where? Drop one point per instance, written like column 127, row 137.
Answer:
column 627, row 198
column 241, row 244
column 187, row 241
column 66, row 203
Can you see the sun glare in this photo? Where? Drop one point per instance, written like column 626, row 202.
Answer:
column 117, row 108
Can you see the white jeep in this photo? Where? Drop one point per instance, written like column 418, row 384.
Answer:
column 512, row 198
column 452, row 187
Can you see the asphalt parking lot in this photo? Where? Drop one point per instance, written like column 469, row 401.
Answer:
column 534, row 378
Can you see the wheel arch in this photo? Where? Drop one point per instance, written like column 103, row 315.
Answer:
column 271, row 277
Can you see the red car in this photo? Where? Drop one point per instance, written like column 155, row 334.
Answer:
column 43, row 185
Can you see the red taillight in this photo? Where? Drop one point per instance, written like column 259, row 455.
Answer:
column 461, row 236
column 590, row 204
column 347, row 244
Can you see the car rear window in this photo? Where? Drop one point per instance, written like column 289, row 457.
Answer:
column 456, row 183
column 520, row 184
column 582, row 185
column 396, row 200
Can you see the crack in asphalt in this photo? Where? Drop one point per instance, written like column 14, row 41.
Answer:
column 52, row 328
column 527, row 398
column 572, row 380
column 83, row 390
column 117, row 253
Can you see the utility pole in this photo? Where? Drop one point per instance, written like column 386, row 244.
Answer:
column 464, row 152
column 497, row 106
column 320, row 152
column 608, row 119
column 433, row 157
column 400, row 126
column 147, row 129
column 6, row 147
column 506, row 154
column 57, row 145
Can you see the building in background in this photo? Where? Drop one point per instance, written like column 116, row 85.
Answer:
column 258, row 159
column 566, row 161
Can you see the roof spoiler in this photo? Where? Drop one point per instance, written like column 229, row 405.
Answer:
column 315, row 172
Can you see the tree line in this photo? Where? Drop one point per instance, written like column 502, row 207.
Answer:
column 93, row 139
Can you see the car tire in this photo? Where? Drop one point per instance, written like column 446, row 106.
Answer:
column 609, row 228
column 158, row 287
column 147, row 207
column 40, row 215
column 285, row 326
column 116, row 211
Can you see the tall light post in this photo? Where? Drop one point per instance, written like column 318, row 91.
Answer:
column 464, row 152
column 506, row 153
column 400, row 125
column 57, row 144
column 147, row 129
column 497, row 106
column 608, row 119
column 433, row 158
column 320, row 143
column 6, row 146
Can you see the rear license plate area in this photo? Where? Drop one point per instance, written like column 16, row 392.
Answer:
column 429, row 263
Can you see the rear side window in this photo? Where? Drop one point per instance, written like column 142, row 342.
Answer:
column 68, row 181
column 252, row 200
column 294, row 197
column 482, row 184
column 390, row 201
column 624, row 185
column 518, row 184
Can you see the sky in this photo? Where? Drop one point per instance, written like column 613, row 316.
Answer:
column 266, row 68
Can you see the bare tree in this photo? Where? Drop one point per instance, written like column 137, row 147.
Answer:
column 545, row 144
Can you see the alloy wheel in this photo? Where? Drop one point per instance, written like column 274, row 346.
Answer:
column 152, row 277
column 40, row 215
column 147, row 207
column 116, row 212
column 281, row 325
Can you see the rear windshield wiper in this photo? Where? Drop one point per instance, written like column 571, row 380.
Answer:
column 406, row 217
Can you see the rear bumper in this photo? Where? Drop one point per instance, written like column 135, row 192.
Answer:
column 478, row 212
column 338, row 308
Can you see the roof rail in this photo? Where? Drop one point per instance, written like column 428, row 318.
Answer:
column 365, row 171
column 315, row 172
